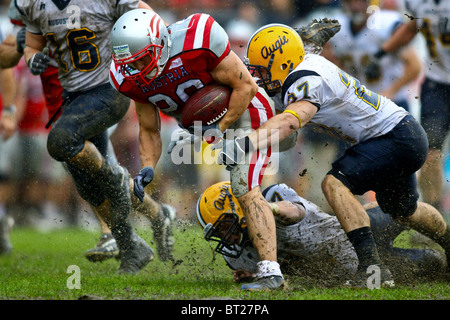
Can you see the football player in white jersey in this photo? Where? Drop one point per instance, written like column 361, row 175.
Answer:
column 309, row 241
column 11, row 51
column 77, row 33
column 432, row 19
column 388, row 144
column 359, row 39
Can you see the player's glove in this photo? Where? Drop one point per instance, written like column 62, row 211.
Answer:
column 20, row 40
column 39, row 62
column 211, row 133
column 233, row 152
column 373, row 69
column 143, row 178
column 182, row 137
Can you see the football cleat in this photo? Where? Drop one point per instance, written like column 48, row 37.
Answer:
column 6, row 224
column 136, row 256
column 105, row 249
column 319, row 31
column 162, row 232
column 361, row 279
column 264, row 284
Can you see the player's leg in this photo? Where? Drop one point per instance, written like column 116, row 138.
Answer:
column 435, row 120
column 428, row 221
column 86, row 115
column 245, row 181
column 372, row 165
column 356, row 223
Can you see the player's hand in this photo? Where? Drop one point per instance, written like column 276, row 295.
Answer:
column 211, row 133
column 232, row 153
column 39, row 62
column 182, row 137
column 20, row 40
column 143, row 178
column 373, row 69
column 8, row 125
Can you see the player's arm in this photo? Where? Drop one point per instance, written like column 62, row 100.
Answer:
column 412, row 67
column 296, row 115
column 232, row 72
column 35, row 43
column 288, row 212
column 9, row 118
column 9, row 56
column 150, row 145
column 401, row 37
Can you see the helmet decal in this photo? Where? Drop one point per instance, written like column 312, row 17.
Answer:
column 273, row 52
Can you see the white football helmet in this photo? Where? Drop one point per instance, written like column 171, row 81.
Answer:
column 137, row 34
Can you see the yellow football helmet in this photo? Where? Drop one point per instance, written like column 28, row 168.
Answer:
column 273, row 52
column 222, row 219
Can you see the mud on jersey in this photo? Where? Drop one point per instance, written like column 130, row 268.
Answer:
column 346, row 108
column 318, row 238
column 77, row 32
column 199, row 44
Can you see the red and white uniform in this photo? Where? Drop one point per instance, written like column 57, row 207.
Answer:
column 198, row 45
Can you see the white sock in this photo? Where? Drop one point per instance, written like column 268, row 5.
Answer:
column 268, row 268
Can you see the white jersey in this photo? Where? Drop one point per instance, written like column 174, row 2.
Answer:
column 317, row 239
column 433, row 19
column 354, row 50
column 77, row 34
column 346, row 108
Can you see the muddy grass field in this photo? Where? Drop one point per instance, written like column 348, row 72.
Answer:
column 51, row 266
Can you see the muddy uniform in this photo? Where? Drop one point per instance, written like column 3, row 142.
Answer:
column 77, row 34
column 318, row 241
column 388, row 144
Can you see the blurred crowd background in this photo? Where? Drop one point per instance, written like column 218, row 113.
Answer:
column 35, row 190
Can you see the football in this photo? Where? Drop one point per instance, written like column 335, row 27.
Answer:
column 208, row 105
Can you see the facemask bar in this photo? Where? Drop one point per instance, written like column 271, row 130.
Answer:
column 225, row 245
column 257, row 72
column 131, row 73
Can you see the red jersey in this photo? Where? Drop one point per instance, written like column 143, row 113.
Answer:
column 34, row 116
column 199, row 44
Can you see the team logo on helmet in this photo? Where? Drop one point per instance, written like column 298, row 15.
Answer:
column 272, row 53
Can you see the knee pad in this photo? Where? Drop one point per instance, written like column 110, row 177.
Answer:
column 63, row 144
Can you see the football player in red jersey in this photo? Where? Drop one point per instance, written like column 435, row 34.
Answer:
column 160, row 67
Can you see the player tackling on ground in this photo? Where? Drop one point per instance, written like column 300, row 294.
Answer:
column 388, row 144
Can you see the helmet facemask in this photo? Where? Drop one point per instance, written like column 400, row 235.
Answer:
column 140, row 42
column 273, row 52
column 222, row 220
column 263, row 77
column 225, row 231
column 147, row 74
